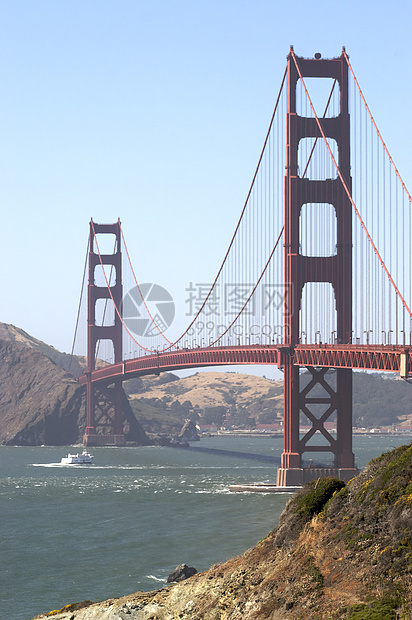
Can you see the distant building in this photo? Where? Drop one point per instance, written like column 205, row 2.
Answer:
column 269, row 427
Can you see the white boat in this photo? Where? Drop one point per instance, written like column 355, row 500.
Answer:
column 77, row 459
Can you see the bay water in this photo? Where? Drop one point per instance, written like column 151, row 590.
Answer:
column 70, row 533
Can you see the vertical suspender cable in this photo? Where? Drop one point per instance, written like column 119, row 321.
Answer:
column 79, row 307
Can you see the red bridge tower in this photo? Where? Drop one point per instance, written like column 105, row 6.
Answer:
column 104, row 424
column 305, row 401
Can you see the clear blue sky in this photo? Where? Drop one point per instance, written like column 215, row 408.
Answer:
column 155, row 112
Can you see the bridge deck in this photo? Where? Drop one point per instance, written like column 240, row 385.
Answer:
column 390, row 358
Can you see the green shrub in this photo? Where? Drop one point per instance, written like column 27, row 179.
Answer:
column 384, row 609
column 315, row 496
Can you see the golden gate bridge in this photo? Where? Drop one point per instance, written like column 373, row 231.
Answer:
column 319, row 260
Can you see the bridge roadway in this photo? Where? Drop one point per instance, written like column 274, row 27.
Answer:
column 391, row 358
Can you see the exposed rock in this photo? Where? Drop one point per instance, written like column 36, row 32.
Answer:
column 188, row 432
column 348, row 554
column 161, row 440
column 181, row 572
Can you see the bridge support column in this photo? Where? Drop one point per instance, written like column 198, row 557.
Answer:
column 312, row 400
column 104, row 424
column 291, row 456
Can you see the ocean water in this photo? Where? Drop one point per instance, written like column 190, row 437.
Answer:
column 70, row 533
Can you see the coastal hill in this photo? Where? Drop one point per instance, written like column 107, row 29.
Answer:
column 161, row 403
column 339, row 552
column 41, row 403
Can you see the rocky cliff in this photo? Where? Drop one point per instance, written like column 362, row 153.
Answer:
column 41, row 403
column 11, row 333
column 339, row 552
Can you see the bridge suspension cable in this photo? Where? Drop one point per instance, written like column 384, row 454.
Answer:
column 375, row 125
column 237, row 260
column 385, row 204
column 250, row 276
column 140, row 293
column 346, row 188
column 79, row 306
column 253, row 290
column 241, row 215
column 309, row 158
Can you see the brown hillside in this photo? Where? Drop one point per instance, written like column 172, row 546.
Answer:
column 207, row 389
column 19, row 336
column 379, row 399
column 260, row 397
column 40, row 403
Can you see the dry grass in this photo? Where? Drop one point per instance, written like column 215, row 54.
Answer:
column 207, row 389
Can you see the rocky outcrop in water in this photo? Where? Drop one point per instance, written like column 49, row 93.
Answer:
column 181, row 572
column 188, row 432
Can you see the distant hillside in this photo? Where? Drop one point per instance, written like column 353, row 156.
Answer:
column 162, row 403
column 381, row 399
column 209, row 389
column 244, row 400
column 40, row 403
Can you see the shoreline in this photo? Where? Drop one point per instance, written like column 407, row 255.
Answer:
column 270, row 434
